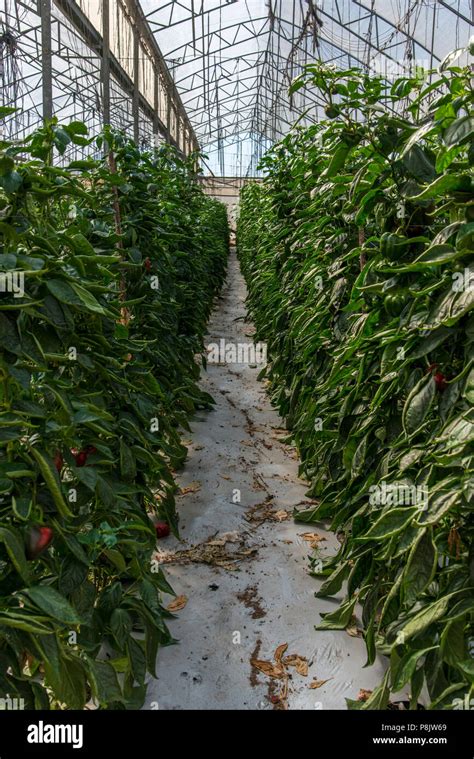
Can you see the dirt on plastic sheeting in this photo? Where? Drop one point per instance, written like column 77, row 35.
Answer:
column 247, row 610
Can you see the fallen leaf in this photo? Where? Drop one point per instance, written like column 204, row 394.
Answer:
column 354, row 632
column 226, row 537
column 284, row 695
column 260, row 512
column 318, row 683
column 279, row 652
column 352, row 629
column 268, row 668
column 193, row 487
column 299, row 662
column 280, row 515
column 313, row 538
column 178, row 603
column 214, row 552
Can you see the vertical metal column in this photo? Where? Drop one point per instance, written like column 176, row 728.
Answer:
column 136, row 84
column 168, row 116
column 156, row 103
column 178, row 129
column 105, row 63
column 193, row 14
column 433, row 32
column 46, row 59
column 204, row 83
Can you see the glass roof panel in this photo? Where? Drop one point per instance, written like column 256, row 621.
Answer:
column 232, row 61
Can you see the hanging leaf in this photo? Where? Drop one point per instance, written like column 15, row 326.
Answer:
column 390, row 523
column 403, row 672
column 418, row 404
column 420, row 568
column 53, row 603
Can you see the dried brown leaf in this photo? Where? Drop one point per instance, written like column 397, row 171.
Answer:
column 215, row 553
column 226, row 537
column 300, row 663
column 193, row 487
column 268, row 668
column 318, row 683
column 280, row 515
column 354, row 632
column 178, row 603
column 313, row 538
column 279, row 652
column 352, row 629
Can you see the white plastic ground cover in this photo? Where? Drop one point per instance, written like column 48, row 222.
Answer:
column 255, row 595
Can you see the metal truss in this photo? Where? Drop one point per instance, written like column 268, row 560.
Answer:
column 208, row 73
column 233, row 61
column 91, row 60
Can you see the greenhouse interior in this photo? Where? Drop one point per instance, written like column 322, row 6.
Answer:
column 236, row 358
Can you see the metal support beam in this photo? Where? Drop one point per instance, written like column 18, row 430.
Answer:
column 105, row 63
column 178, row 131
column 46, row 59
column 156, row 103
column 136, row 85
column 168, row 116
column 146, row 35
column 94, row 40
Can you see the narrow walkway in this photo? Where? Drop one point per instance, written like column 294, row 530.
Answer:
column 254, row 593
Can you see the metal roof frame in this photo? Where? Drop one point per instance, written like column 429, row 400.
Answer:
column 208, row 57
column 222, row 67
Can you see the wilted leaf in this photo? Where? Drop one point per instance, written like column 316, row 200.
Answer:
column 319, row 683
column 269, row 668
column 178, row 603
column 300, row 663
column 193, row 487
column 313, row 538
column 279, row 652
column 280, row 515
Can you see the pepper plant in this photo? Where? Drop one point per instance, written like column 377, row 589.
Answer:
column 108, row 271
column 357, row 248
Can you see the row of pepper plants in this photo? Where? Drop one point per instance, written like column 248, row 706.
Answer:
column 357, row 248
column 108, row 271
